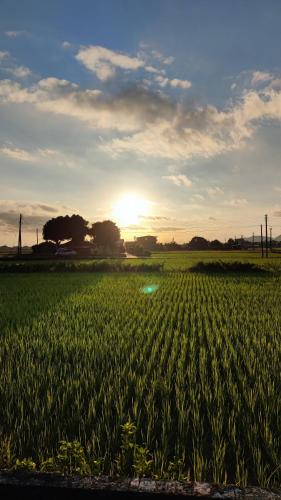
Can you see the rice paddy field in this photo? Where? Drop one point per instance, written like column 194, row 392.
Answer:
column 192, row 359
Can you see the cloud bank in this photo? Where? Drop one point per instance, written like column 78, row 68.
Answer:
column 151, row 124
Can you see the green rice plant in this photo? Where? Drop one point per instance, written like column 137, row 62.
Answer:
column 193, row 368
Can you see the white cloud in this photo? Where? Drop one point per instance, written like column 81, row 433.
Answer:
column 163, row 81
column 17, row 71
column 197, row 197
column 276, row 83
column 20, row 71
column 66, row 45
column 15, row 34
column 168, row 60
column 3, row 54
column 156, row 54
column 178, row 180
column 103, row 62
column 215, row 191
column 38, row 155
column 151, row 69
column 182, row 84
column 17, row 154
column 149, row 123
column 261, row 76
column 34, row 214
column 236, row 202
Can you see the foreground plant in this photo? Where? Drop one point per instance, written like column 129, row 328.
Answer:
column 69, row 460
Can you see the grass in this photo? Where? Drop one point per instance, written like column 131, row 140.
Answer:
column 169, row 261
column 93, row 266
column 192, row 359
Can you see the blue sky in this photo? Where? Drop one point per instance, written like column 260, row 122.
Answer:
column 176, row 104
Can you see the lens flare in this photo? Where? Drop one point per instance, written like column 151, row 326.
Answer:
column 149, row 289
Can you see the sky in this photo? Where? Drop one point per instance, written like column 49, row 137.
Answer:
column 163, row 115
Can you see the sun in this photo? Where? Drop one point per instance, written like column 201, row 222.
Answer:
column 128, row 209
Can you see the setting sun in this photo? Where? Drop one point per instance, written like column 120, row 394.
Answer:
column 128, row 209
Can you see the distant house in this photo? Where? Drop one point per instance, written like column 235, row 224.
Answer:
column 147, row 242
column 130, row 246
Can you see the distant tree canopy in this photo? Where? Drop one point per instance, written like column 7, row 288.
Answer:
column 198, row 243
column 46, row 247
column 66, row 227
column 216, row 245
column 105, row 233
column 230, row 243
column 172, row 246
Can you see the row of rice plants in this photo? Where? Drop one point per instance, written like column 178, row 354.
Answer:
column 192, row 360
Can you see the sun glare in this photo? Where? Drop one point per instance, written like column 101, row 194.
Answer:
column 129, row 209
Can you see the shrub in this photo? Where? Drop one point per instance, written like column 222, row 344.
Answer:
column 26, row 464
column 44, row 248
column 224, row 267
column 64, row 266
column 69, row 460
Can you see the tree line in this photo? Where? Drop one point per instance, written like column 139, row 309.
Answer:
column 72, row 230
column 104, row 237
column 144, row 244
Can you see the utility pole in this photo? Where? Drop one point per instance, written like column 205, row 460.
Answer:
column 253, row 241
column 261, row 242
column 266, row 236
column 19, row 238
column 37, row 235
column 270, row 239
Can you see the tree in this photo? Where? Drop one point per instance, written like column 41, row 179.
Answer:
column 77, row 228
column 105, row 234
column 216, row 245
column 44, row 248
column 230, row 244
column 172, row 246
column 56, row 229
column 65, row 228
column 198, row 243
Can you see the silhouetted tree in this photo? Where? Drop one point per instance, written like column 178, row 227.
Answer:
column 44, row 248
column 230, row 244
column 105, row 233
column 65, row 228
column 56, row 229
column 77, row 229
column 216, row 245
column 198, row 243
column 172, row 246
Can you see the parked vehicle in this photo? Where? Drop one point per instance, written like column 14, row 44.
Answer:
column 65, row 252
